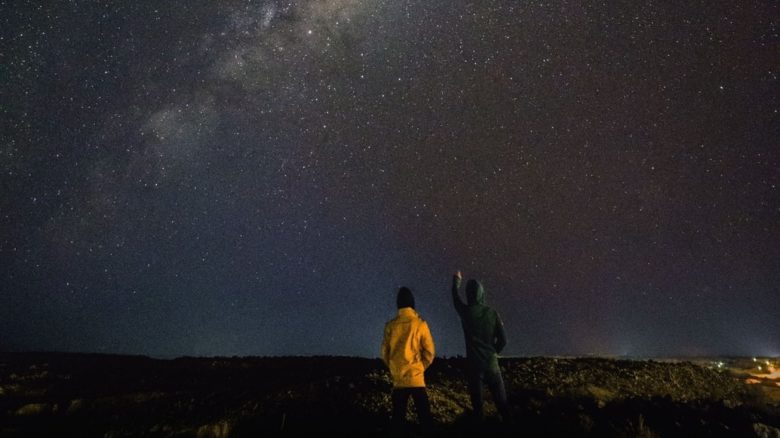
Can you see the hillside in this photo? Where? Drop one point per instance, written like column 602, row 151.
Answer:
column 104, row 395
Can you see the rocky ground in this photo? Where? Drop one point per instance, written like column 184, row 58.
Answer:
column 101, row 395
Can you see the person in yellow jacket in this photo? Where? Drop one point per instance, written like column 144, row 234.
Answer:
column 407, row 350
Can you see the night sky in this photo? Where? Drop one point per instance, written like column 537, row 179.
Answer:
column 259, row 177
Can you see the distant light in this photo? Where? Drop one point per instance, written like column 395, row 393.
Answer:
column 754, row 360
column 759, row 367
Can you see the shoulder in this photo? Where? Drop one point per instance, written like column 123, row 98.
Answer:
column 421, row 326
column 421, row 322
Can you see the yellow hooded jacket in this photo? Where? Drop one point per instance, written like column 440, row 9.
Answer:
column 407, row 348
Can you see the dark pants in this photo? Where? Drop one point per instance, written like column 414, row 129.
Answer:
column 495, row 383
column 400, row 398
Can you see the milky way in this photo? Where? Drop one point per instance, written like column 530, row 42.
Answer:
column 220, row 178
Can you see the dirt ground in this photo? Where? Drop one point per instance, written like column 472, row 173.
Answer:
column 49, row 394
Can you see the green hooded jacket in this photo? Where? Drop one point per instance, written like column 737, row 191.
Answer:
column 482, row 327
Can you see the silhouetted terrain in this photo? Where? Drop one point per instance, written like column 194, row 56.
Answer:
column 103, row 395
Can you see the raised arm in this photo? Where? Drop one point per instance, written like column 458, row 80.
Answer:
column 500, row 335
column 459, row 305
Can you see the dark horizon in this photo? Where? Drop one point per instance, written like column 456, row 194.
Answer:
column 259, row 178
column 339, row 356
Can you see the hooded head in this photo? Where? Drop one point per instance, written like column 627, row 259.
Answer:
column 475, row 293
column 405, row 298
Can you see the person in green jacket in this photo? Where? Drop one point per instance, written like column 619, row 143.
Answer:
column 485, row 338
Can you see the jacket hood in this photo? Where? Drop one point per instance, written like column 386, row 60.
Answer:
column 475, row 293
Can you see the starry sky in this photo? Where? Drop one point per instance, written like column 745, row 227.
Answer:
column 259, row 177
